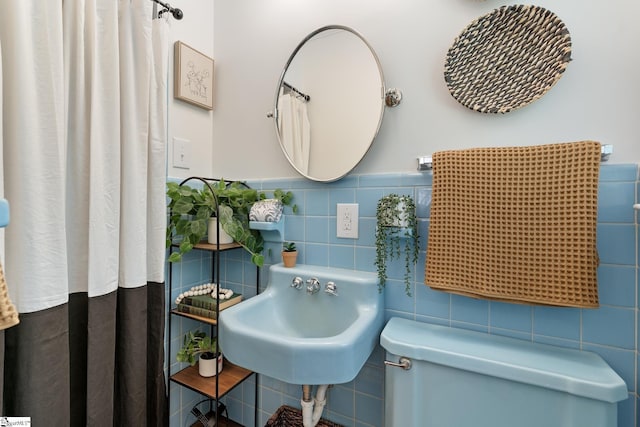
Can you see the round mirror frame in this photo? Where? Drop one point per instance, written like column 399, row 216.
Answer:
column 383, row 96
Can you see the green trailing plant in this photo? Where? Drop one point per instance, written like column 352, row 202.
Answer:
column 195, row 344
column 289, row 247
column 190, row 209
column 396, row 236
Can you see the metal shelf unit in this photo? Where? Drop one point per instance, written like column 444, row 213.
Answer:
column 231, row 375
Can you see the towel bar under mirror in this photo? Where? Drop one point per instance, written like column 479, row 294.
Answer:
column 425, row 163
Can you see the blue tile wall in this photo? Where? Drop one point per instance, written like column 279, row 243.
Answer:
column 611, row 331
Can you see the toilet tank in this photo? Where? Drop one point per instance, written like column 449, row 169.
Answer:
column 461, row 378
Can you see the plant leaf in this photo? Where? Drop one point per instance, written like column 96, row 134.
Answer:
column 185, row 246
column 198, row 228
column 257, row 259
column 204, row 213
column 175, row 257
column 182, row 206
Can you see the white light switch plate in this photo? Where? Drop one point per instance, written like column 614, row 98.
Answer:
column 181, row 153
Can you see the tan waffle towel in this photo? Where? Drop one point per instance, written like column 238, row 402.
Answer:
column 516, row 223
column 8, row 313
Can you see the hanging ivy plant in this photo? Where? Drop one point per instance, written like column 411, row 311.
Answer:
column 396, row 236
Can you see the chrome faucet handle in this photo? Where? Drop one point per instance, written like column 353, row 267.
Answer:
column 313, row 286
column 331, row 288
column 297, row 282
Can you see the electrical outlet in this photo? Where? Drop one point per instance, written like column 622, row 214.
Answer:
column 347, row 220
column 181, row 153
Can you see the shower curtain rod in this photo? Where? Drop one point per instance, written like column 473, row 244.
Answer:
column 177, row 13
column 293, row 89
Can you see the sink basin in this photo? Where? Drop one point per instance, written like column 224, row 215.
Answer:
column 302, row 338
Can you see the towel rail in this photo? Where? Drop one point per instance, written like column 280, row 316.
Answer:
column 425, row 163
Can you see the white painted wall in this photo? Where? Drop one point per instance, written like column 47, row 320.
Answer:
column 187, row 121
column 598, row 98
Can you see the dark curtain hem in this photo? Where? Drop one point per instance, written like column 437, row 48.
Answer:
column 78, row 318
column 1, row 371
column 36, row 369
column 157, row 404
column 94, row 361
column 100, row 359
column 140, row 388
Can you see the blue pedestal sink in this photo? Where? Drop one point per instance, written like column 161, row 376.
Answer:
column 306, row 338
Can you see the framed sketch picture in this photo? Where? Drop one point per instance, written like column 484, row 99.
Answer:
column 193, row 76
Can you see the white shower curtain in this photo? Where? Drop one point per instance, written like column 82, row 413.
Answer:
column 295, row 129
column 84, row 137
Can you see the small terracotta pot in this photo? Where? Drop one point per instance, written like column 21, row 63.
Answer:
column 289, row 258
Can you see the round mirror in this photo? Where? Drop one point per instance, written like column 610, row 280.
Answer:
column 329, row 103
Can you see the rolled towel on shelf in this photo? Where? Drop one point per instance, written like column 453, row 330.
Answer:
column 267, row 210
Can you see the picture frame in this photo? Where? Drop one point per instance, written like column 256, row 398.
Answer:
column 193, row 76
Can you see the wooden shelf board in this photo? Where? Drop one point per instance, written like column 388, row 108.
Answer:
column 211, row 247
column 202, row 319
column 230, row 377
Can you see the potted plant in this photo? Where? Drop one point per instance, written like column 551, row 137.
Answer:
column 396, row 234
column 191, row 209
column 289, row 254
column 198, row 347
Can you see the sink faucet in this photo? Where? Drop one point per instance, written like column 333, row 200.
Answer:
column 313, row 286
column 296, row 282
column 331, row 288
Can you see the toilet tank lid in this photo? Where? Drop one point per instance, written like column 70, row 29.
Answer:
column 577, row 372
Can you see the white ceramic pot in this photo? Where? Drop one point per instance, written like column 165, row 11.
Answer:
column 400, row 217
column 207, row 367
column 213, row 233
